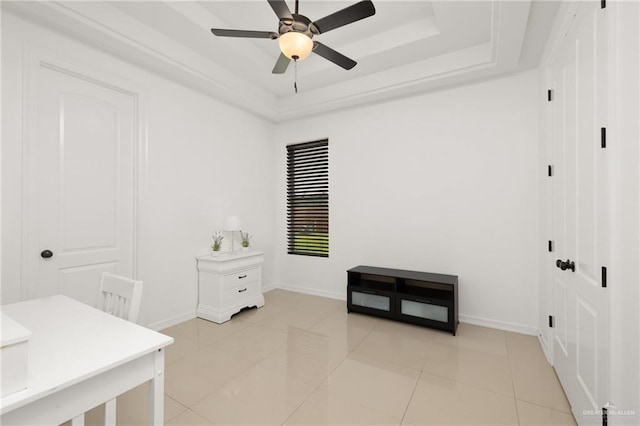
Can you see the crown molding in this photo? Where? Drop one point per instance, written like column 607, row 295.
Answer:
column 115, row 32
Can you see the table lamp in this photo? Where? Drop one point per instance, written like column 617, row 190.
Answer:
column 232, row 223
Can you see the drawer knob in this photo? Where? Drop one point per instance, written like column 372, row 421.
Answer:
column 240, row 291
column 242, row 276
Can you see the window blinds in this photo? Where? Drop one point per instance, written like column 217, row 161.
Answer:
column 308, row 198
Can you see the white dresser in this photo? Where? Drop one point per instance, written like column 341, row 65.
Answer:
column 227, row 283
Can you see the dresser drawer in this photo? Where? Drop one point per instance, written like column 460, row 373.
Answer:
column 239, row 293
column 239, row 278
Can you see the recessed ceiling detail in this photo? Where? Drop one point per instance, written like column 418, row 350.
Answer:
column 405, row 48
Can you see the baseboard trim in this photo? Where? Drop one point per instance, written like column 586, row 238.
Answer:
column 545, row 349
column 176, row 319
column 312, row 291
column 499, row 325
column 269, row 287
column 484, row 322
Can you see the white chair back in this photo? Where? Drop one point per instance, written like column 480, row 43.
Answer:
column 120, row 296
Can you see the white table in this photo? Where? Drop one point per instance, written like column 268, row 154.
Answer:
column 80, row 357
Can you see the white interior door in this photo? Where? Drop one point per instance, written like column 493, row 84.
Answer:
column 83, row 212
column 581, row 303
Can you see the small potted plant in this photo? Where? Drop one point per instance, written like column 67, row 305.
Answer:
column 244, row 238
column 217, row 243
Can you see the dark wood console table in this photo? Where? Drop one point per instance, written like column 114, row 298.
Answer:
column 416, row 297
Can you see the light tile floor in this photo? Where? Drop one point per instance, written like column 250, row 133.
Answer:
column 303, row 360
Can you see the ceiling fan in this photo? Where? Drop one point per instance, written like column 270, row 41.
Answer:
column 295, row 32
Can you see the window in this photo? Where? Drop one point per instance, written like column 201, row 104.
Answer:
column 308, row 198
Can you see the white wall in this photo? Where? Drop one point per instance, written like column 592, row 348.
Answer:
column 442, row 182
column 206, row 160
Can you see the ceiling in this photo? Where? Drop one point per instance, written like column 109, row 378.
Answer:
column 407, row 47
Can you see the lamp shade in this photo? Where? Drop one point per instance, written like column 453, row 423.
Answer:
column 295, row 45
column 232, row 223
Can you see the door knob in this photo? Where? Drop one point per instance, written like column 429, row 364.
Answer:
column 46, row 254
column 569, row 264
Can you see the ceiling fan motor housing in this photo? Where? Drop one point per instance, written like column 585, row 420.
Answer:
column 300, row 24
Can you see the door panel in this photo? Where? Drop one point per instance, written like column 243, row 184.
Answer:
column 560, row 302
column 88, row 150
column 85, row 180
column 586, row 350
column 563, row 107
column 580, row 213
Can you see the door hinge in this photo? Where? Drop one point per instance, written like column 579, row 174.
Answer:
column 551, row 321
column 549, row 95
column 603, row 137
column 549, row 170
column 550, row 246
column 605, row 421
column 604, row 277
column 603, row 4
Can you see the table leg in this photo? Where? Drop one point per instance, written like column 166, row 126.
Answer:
column 110, row 413
column 78, row 421
column 156, row 390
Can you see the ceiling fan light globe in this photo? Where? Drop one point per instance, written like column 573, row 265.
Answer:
column 295, row 44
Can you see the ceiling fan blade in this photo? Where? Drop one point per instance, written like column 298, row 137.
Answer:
column 282, row 11
column 281, row 64
column 350, row 14
column 245, row 34
column 333, row 56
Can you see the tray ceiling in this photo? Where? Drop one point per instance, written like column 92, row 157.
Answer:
column 407, row 47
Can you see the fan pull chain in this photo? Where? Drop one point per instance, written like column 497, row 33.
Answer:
column 295, row 78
